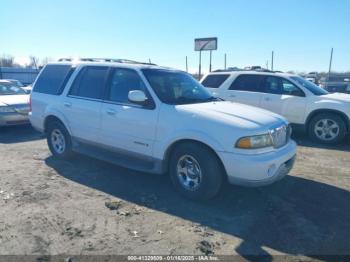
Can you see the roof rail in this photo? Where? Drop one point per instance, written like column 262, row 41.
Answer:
column 245, row 69
column 111, row 60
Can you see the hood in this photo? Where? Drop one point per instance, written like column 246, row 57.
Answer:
column 340, row 97
column 14, row 100
column 239, row 115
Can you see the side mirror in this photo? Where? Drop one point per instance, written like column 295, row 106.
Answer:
column 137, row 97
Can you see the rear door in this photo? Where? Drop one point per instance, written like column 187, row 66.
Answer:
column 126, row 125
column 283, row 97
column 82, row 105
column 244, row 89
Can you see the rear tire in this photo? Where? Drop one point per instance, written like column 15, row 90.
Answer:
column 327, row 128
column 59, row 140
column 195, row 171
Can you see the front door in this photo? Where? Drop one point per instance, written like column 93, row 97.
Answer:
column 125, row 125
column 283, row 97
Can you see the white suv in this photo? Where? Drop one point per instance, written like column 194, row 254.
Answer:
column 324, row 116
column 159, row 120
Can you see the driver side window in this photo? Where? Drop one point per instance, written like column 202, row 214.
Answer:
column 121, row 83
column 289, row 88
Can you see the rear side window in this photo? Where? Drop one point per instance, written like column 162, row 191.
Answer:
column 247, row 83
column 214, row 81
column 53, row 79
column 90, row 82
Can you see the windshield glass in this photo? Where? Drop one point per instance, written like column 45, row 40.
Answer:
column 17, row 83
column 176, row 87
column 10, row 89
column 316, row 90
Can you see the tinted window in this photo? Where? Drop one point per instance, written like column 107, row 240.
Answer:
column 214, row 81
column 90, row 82
column 272, row 85
column 289, row 88
column 246, row 83
column 52, row 79
column 123, row 81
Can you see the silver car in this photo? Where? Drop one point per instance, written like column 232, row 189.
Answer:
column 14, row 104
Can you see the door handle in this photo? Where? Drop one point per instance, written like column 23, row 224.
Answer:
column 67, row 104
column 267, row 99
column 111, row 112
column 232, row 95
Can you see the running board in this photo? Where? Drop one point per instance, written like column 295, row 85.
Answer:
column 120, row 158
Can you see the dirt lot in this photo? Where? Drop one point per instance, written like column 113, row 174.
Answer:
column 86, row 206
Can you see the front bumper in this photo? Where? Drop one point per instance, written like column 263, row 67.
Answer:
column 260, row 169
column 13, row 118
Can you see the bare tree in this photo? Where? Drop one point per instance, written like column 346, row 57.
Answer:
column 7, row 61
column 33, row 62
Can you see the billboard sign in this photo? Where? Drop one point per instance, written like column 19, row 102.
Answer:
column 206, row 44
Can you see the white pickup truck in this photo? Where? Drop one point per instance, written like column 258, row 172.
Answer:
column 323, row 115
column 159, row 120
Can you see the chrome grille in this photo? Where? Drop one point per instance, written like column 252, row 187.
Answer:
column 280, row 135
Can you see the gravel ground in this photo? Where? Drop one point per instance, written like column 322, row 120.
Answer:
column 86, row 206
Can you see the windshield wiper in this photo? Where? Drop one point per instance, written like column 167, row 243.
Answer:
column 213, row 98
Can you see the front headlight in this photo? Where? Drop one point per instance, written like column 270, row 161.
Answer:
column 6, row 109
column 254, row 142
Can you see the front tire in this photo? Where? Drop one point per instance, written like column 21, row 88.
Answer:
column 327, row 128
column 59, row 140
column 195, row 171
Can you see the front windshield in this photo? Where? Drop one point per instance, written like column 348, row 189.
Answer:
column 176, row 87
column 316, row 90
column 10, row 89
column 17, row 83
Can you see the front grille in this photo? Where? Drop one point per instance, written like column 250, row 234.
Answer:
column 280, row 135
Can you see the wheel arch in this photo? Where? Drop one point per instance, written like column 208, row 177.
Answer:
column 333, row 111
column 52, row 118
column 176, row 143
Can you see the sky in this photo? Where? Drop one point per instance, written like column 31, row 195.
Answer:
column 300, row 32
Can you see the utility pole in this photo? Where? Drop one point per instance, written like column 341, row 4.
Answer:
column 200, row 65
column 267, row 64
column 272, row 61
column 186, row 65
column 210, row 62
column 225, row 62
column 0, row 68
column 330, row 66
column 149, row 60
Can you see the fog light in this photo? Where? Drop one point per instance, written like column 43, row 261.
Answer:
column 272, row 169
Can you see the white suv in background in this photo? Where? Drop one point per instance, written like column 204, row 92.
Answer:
column 159, row 120
column 323, row 115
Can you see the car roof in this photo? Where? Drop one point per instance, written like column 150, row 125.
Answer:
column 126, row 64
column 250, row 72
column 5, row 81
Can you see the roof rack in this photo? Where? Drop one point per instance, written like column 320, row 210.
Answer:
column 111, row 60
column 245, row 69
